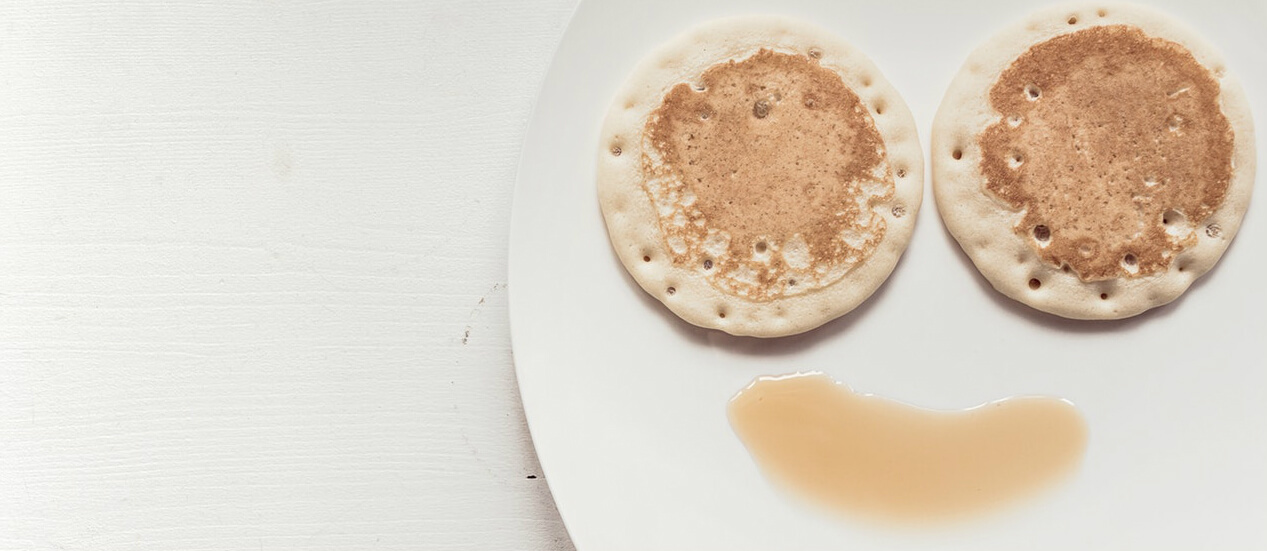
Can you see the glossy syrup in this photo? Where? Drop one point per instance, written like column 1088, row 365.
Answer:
column 878, row 458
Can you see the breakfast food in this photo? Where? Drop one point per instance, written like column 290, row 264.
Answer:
column 759, row 176
column 874, row 457
column 1093, row 160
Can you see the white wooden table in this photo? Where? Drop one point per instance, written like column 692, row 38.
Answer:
column 252, row 274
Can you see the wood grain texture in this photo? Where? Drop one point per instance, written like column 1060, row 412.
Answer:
column 252, row 274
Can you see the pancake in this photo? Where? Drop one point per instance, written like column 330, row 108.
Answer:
column 1093, row 160
column 759, row 176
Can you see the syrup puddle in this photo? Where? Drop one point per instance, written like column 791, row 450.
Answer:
column 889, row 461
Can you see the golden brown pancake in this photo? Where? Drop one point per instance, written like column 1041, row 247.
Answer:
column 764, row 188
column 1093, row 161
column 776, row 152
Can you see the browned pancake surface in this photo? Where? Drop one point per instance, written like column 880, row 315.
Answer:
column 766, row 149
column 1113, row 144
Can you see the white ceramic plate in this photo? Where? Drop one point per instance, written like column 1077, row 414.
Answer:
column 627, row 404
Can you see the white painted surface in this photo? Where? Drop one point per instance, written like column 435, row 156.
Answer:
column 252, row 274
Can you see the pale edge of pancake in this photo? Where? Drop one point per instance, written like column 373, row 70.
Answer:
column 983, row 225
column 634, row 227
